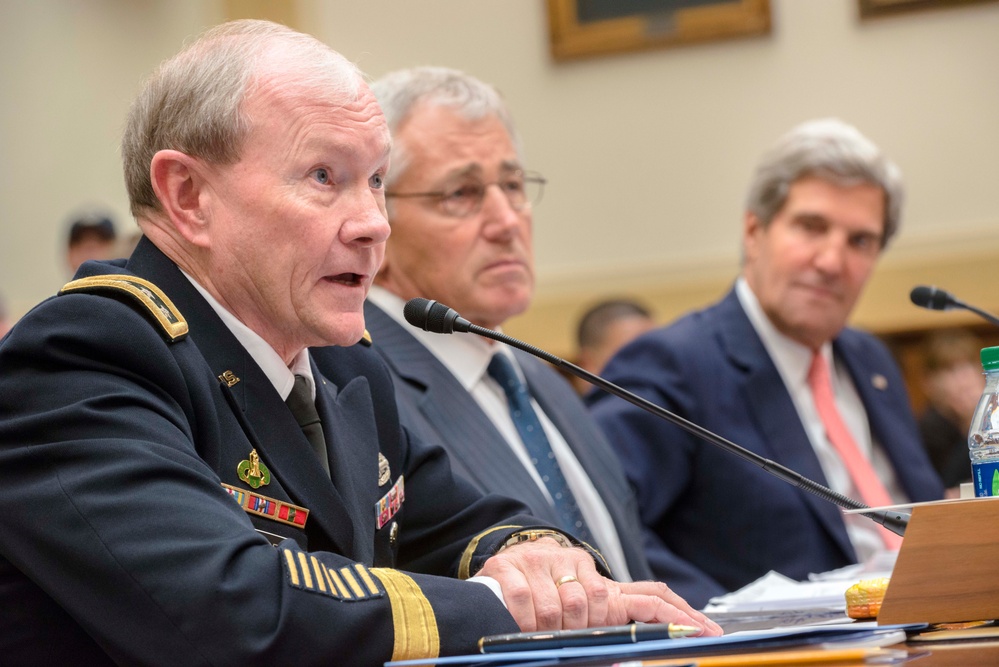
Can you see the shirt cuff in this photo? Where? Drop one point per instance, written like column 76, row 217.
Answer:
column 491, row 584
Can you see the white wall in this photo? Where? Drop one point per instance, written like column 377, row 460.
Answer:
column 647, row 154
column 68, row 72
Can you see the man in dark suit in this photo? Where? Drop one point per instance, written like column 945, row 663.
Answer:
column 755, row 368
column 460, row 210
column 200, row 466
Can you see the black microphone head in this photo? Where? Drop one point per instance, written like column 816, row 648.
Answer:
column 416, row 310
column 925, row 296
column 433, row 316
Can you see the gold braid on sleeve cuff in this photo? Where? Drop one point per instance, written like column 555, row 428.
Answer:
column 413, row 619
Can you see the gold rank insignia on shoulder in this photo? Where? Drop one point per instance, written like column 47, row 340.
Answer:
column 151, row 297
column 384, row 473
column 268, row 508
column 253, row 471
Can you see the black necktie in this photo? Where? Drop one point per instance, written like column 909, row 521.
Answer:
column 303, row 406
column 540, row 450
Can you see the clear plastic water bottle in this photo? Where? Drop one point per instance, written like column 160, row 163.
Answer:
column 983, row 436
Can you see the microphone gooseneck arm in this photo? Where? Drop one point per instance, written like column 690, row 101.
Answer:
column 934, row 298
column 437, row 318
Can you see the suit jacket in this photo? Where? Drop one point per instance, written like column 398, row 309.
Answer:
column 128, row 535
column 713, row 521
column 434, row 405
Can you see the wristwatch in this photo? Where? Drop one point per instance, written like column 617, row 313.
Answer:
column 535, row 535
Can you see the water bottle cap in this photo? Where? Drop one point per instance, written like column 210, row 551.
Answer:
column 990, row 358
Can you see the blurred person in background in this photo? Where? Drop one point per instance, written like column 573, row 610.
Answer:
column 604, row 329
column 953, row 381
column 90, row 236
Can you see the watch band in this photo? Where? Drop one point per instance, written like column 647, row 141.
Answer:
column 534, row 535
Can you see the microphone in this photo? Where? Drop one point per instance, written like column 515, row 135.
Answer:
column 435, row 317
column 932, row 298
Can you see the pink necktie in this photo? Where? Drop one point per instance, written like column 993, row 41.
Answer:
column 872, row 491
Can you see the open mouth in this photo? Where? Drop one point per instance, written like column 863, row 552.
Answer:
column 349, row 279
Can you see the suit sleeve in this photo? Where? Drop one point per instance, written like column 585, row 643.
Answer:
column 657, row 457
column 114, row 515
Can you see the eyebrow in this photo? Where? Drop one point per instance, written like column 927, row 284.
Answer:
column 475, row 169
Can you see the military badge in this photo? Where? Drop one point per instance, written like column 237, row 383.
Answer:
column 384, row 473
column 253, row 471
column 269, row 508
column 390, row 503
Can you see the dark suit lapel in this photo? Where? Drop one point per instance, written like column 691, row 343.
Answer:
column 283, row 446
column 453, row 414
column 774, row 412
column 598, row 461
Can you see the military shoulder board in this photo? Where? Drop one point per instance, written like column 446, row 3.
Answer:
column 142, row 292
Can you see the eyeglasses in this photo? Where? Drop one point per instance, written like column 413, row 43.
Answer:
column 520, row 187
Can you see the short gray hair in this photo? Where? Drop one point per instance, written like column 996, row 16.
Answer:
column 831, row 150
column 193, row 102
column 401, row 91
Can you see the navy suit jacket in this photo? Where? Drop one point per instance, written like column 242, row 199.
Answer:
column 434, row 405
column 120, row 541
column 713, row 521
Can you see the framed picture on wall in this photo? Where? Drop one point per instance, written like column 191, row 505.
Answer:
column 582, row 28
column 878, row 8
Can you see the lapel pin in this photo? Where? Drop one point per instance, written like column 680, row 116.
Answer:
column 879, row 381
column 254, row 472
column 229, row 378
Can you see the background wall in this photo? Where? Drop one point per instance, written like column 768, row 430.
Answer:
column 647, row 154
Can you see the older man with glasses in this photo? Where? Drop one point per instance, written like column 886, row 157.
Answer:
column 511, row 424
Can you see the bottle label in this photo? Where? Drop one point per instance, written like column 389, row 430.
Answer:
column 986, row 478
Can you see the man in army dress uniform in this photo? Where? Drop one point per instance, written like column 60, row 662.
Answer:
column 200, row 466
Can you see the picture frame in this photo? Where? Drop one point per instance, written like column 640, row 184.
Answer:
column 879, row 8
column 586, row 28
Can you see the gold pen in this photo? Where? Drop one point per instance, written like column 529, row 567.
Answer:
column 612, row 634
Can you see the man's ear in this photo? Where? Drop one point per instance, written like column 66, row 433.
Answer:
column 751, row 227
column 179, row 183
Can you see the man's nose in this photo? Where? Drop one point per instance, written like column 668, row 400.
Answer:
column 830, row 256
column 499, row 216
column 366, row 222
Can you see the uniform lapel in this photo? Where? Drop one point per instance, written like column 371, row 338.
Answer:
column 352, row 445
column 283, row 447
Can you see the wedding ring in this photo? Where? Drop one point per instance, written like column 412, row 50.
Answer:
column 564, row 580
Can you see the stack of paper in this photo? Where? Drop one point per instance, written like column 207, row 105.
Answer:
column 833, row 637
column 775, row 600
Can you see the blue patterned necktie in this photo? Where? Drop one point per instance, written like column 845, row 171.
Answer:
column 540, row 450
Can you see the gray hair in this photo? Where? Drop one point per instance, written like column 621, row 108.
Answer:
column 193, row 102
column 831, row 150
column 401, row 91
